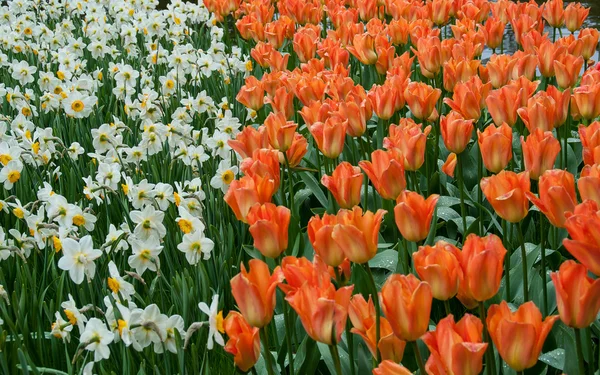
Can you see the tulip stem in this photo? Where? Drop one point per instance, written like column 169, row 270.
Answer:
column 419, row 358
column 524, row 263
column 290, row 182
column 289, row 327
column 543, row 251
column 447, row 307
column 335, row 355
column 377, row 310
column 506, row 261
column 461, row 186
column 491, row 362
column 267, row 351
column 579, row 347
column 350, row 343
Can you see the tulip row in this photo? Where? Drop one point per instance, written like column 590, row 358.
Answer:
column 314, row 119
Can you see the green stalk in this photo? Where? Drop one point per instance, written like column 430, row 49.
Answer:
column 336, row 359
column 579, row 347
column 490, row 367
column 350, row 340
column 418, row 357
column 264, row 335
column 377, row 310
column 524, row 262
column 447, row 307
column 506, row 262
column 461, row 186
column 288, row 338
column 543, row 250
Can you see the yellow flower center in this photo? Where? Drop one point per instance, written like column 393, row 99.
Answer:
column 113, row 285
column 169, row 83
column 60, row 75
column 125, row 188
column 122, row 324
column 78, row 220
column 227, row 177
column 177, row 199
column 57, row 244
column 220, row 321
column 77, row 106
column 35, row 147
column 26, row 111
column 71, row 317
column 185, row 225
column 5, row 158
column 13, row 176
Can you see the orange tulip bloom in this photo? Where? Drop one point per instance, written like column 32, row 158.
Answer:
column 456, row 131
column 539, row 152
column 413, row 214
column 547, row 53
column 362, row 316
column 469, row 98
column 506, row 192
column 305, row 44
column 439, row 266
column 391, row 368
column 254, row 292
column 590, row 140
column 269, row 228
column 589, row 38
column 589, row 183
column 575, row 14
column 248, row 140
column 297, row 150
column 386, row 172
column 383, row 100
column 429, row 54
column 320, row 235
column 280, row 132
column 494, row 31
column 299, row 271
column 322, row 310
column 495, row 144
column 518, row 336
column 539, row 113
column 411, row 140
column 330, row 136
column 554, row 13
column 557, row 195
column 344, row 184
column 357, row 114
column 263, row 168
column 526, row 65
column 586, row 101
column 252, row 94
column 241, row 196
column 398, row 31
column 440, row 11
column 244, row 341
column 357, row 233
column 503, row 105
column 422, row 99
column 583, row 226
column 406, row 302
column 482, row 264
column 567, row 68
column 282, row 102
column 577, row 295
column 458, row 71
column 363, row 48
column 456, row 348
column 450, row 165
column 561, row 100
column 500, row 68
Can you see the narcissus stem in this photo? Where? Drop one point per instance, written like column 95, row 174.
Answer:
column 418, row 357
column 524, row 263
column 264, row 335
column 377, row 310
column 579, row 347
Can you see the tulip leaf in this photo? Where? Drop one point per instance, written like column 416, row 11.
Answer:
column 386, row 259
column 326, row 354
column 311, row 183
column 554, row 358
column 307, row 357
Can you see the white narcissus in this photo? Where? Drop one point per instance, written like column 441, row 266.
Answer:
column 78, row 258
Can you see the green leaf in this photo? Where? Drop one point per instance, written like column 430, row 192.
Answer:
column 326, row 354
column 386, row 259
column 313, row 185
column 554, row 358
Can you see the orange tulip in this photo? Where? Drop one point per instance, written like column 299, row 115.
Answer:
column 481, row 262
column 439, row 266
column 495, row 144
column 299, row 271
column 458, row 71
column 398, row 31
column 539, row 152
column 305, row 44
column 254, row 292
column 589, row 183
column 386, row 172
column 575, row 14
column 469, row 98
column 500, row 68
column 450, row 164
column 248, row 140
column 357, row 233
column 590, row 140
column 241, row 196
column 589, row 38
column 322, row 310
column 362, row 316
column 520, row 335
column 252, row 94
column 391, row 368
column 344, row 184
column 363, row 48
column 539, row 112
column 567, row 68
column 503, row 105
column 413, row 214
column 584, row 228
column 429, row 54
column 282, row 102
column 244, row 341
column 456, row 131
column 554, row 13
column 280, row 132
column 297, row 150
column 422, row 99
column 577, row 295
column 406, row 302
column 411, row 140
column 561, row 100
column 456, row 348
column 383, row 100
column 263, row 168
column 320, row 235
column 506, row 192
column 526, row 65
column 586, row 101
column 269, row 228
column 440, row 11
column 494, row 31
column 330, row 136
column 357, row 114
column 557, row 196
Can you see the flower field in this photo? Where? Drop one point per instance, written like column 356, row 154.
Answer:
column 299, row 187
